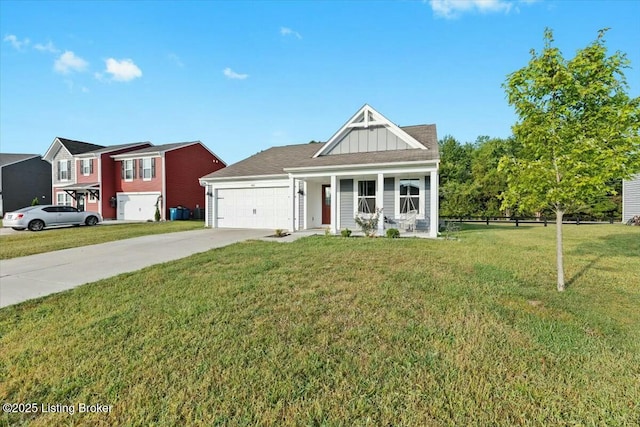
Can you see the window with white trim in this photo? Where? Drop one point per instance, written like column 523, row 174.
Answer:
column 366, row 196
column 87, row 166
column 64, row 170
column 63, row 199
column 410, row 196
column 147, row 169
column 129, row 168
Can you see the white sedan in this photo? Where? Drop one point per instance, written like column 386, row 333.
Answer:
column 35, row 218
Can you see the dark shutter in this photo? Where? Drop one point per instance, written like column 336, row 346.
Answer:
column 134, row 168
column 90, row 165
column 59, row 170
column 123, row 169
column 153, row 167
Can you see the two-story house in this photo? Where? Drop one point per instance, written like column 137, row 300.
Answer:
column 95, row 187
column 63, row 167
column 164, row 176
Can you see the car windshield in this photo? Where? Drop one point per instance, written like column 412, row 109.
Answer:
column 28, row 208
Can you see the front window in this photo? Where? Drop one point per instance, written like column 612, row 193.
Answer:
column 64, row 170
column 87, row 167
column 63, row 199
column 366, row 196
column 129, row 168
column 146, row 169
column 409, row 195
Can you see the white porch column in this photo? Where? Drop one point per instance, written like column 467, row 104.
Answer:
column 433, row 203
column 206, row 206
column 214, row 207
column 380, row 203
column 292, row 205
column 334, row 206
column 306, row 204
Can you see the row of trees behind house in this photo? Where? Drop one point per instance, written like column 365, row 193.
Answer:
column 471, row 184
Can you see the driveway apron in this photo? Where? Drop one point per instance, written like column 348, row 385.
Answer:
column 34, row 276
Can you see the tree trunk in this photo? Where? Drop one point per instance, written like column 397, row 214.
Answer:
column 559, row 215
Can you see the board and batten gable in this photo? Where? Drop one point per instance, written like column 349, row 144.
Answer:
column 368, row 140
column 630, row 198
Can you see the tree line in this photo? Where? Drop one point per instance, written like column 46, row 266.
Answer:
column 472, row 184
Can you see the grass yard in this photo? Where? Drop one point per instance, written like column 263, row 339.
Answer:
column 53, row 239
column 345, row 332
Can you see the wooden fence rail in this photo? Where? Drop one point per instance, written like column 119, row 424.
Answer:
column 526, row 220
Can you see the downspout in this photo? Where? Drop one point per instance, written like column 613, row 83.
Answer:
column 164, row 186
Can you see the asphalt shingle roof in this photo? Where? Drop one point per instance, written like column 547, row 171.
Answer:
column 78, row 147
column 159, row 148
column 9, row 158
column 116, row 147
column 275, row 160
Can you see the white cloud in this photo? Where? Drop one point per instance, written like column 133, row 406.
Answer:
column 49, row 47
column 68, row 62
column 15, row 42
column 233, row 75
column 122, row 71
column 454, row 8
column 284, row 31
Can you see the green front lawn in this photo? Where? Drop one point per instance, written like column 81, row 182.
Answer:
column 52, row 239
column 334, row 331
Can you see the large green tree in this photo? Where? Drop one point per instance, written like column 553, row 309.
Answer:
column 578, row 130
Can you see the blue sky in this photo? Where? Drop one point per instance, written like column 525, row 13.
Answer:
column 245, row 76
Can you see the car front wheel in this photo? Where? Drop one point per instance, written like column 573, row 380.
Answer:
column 36, row 225
column 92, row 220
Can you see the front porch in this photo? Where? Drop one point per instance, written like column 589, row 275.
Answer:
column 406, row 198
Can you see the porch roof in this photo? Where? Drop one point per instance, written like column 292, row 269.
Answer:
column 277, row 160
column 80, row 186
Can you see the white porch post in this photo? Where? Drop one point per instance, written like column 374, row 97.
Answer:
column 334, row 206
column 380, row 203
column 292, row 206
column 433, row 214
column 306, row 204
column 214, row 207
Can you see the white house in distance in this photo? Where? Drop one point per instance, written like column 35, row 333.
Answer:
column 368, row 164
column 630, row 198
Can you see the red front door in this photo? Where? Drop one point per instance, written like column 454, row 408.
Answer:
column 326, row 204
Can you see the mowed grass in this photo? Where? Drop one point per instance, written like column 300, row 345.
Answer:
column 345, row 332
column 53, row 239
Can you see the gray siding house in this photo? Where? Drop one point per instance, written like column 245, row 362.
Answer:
column 61, row 154
column 369, row 165
column 630, row 198
column 23, row 177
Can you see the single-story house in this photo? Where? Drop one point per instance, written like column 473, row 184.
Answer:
column 370, row 164
column 630, row 198
column 23, row 177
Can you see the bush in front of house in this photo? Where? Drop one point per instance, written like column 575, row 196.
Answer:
column 393, row 233
column 346, row 232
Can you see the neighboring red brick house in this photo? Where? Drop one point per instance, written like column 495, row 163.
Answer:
column 165, row 176
column 95, row 188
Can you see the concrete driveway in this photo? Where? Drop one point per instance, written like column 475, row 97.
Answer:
column 34, row 276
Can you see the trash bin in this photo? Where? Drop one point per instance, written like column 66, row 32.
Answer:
column 175, row 214
column 197, row 213
column 186, row 213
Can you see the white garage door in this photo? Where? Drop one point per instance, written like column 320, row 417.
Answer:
column 268, row 208
column 137, row 206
